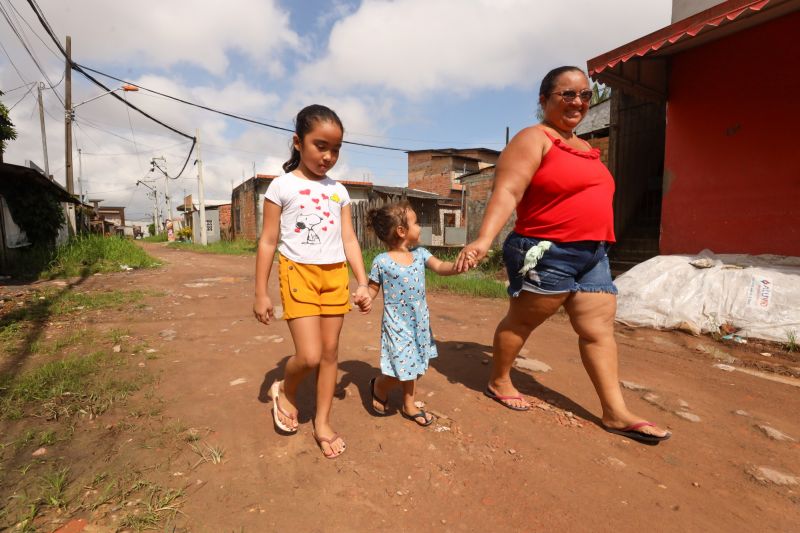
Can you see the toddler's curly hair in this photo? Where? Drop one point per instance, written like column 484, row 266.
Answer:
column 385, row 220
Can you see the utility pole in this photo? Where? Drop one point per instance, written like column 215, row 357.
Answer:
column 201, row 193
column 166, row 182
column 68, row 117
column 44, row 135
column 70, row 211
column 80, row 175
column 154, row 192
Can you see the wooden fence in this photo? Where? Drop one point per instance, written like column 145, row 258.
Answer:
column 366, row 238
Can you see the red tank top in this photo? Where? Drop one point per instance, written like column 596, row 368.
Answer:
column 570, row 198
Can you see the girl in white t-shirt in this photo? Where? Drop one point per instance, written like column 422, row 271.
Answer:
column 309, row 213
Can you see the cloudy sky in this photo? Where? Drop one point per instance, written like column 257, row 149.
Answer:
column 408, row 74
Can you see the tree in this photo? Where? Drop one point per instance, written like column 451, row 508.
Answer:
column 7, row 130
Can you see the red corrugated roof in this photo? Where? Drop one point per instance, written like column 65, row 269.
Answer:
column 707, row 20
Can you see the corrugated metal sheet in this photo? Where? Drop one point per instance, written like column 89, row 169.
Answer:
column 688, row 28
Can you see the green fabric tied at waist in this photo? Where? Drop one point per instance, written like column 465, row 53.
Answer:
column 533, row 256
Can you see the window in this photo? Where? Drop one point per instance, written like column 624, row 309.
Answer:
column 449, row 220
column 210, row 225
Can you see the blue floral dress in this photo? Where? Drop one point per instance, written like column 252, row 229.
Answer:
column 406, row 340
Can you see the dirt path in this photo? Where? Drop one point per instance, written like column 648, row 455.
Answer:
column 482, row 468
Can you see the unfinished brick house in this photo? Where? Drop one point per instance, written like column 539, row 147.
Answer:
column 247, row 203
column 436, row 170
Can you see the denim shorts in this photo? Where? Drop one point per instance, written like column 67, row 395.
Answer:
column 565, row 267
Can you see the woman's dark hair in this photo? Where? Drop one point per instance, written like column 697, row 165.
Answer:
column 549, row 80
column 304, row 123
column 385, row 220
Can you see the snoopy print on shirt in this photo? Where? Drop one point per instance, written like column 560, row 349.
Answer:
column 310, row 218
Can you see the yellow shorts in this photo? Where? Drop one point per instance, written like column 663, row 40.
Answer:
column 313, row 290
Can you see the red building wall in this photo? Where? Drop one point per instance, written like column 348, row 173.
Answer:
column 732, row 161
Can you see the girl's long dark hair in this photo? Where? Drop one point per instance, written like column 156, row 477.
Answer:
column 304, row 123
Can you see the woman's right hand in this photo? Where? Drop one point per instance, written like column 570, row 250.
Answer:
column 263, row 309
column 472, row 254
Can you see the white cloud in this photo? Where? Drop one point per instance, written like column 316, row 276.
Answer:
column 165, row 34
column 414, row 47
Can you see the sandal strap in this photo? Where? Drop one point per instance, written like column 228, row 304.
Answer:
column 638, row 425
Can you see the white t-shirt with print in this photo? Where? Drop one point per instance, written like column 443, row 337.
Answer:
column 311, row 218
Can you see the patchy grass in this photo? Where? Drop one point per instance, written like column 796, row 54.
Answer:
column 54, row 484
column 64, row 387
column 40, row 347
column 208, row 453
column 90, row 254
column 53, row 303
column 236, row 247
column 161, row 506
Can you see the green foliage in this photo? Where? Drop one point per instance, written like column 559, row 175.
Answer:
column 7, row 130
column 151, row 229
column 37, row 212
column 185, row 233
column 89, row 254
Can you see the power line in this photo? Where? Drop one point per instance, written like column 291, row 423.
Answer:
column 43, row 21
column 23, row 97
column 227, row 114
column 12, row 63
column 28, row 48
column 55, row 54
column 18, row 88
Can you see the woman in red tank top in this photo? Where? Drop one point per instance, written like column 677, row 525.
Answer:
column 556, row 254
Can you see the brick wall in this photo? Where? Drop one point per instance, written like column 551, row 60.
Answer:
column 225, row 229
column 479, row 191
column 435, row 172
column 243, row 211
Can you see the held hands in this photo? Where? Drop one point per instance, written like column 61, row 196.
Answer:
column 362, row 299
column 263, row 309
column 471, row 255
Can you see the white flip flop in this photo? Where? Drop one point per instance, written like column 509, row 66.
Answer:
column 274, row 393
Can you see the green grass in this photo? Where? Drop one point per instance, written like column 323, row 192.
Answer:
column 54, row 484
column 478, row 282
column 161, row 237
column 237, row 247
column 791, row 344
column 90, row 254
column 64, row 387
column 470, row 284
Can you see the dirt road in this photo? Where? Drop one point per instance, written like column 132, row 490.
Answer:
column 480, row 467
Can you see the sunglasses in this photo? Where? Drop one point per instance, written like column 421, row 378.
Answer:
column 570, row 95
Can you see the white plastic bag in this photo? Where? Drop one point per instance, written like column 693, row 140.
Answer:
column 759, row 295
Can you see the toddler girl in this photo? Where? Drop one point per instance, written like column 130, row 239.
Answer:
column 407, row 343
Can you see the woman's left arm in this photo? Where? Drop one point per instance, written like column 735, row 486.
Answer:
column 352, row 251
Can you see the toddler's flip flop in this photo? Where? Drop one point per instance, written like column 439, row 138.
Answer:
column 502, row 400
column 383, row 403
column 274, row 393
column 415, row 417
column 632, row 433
